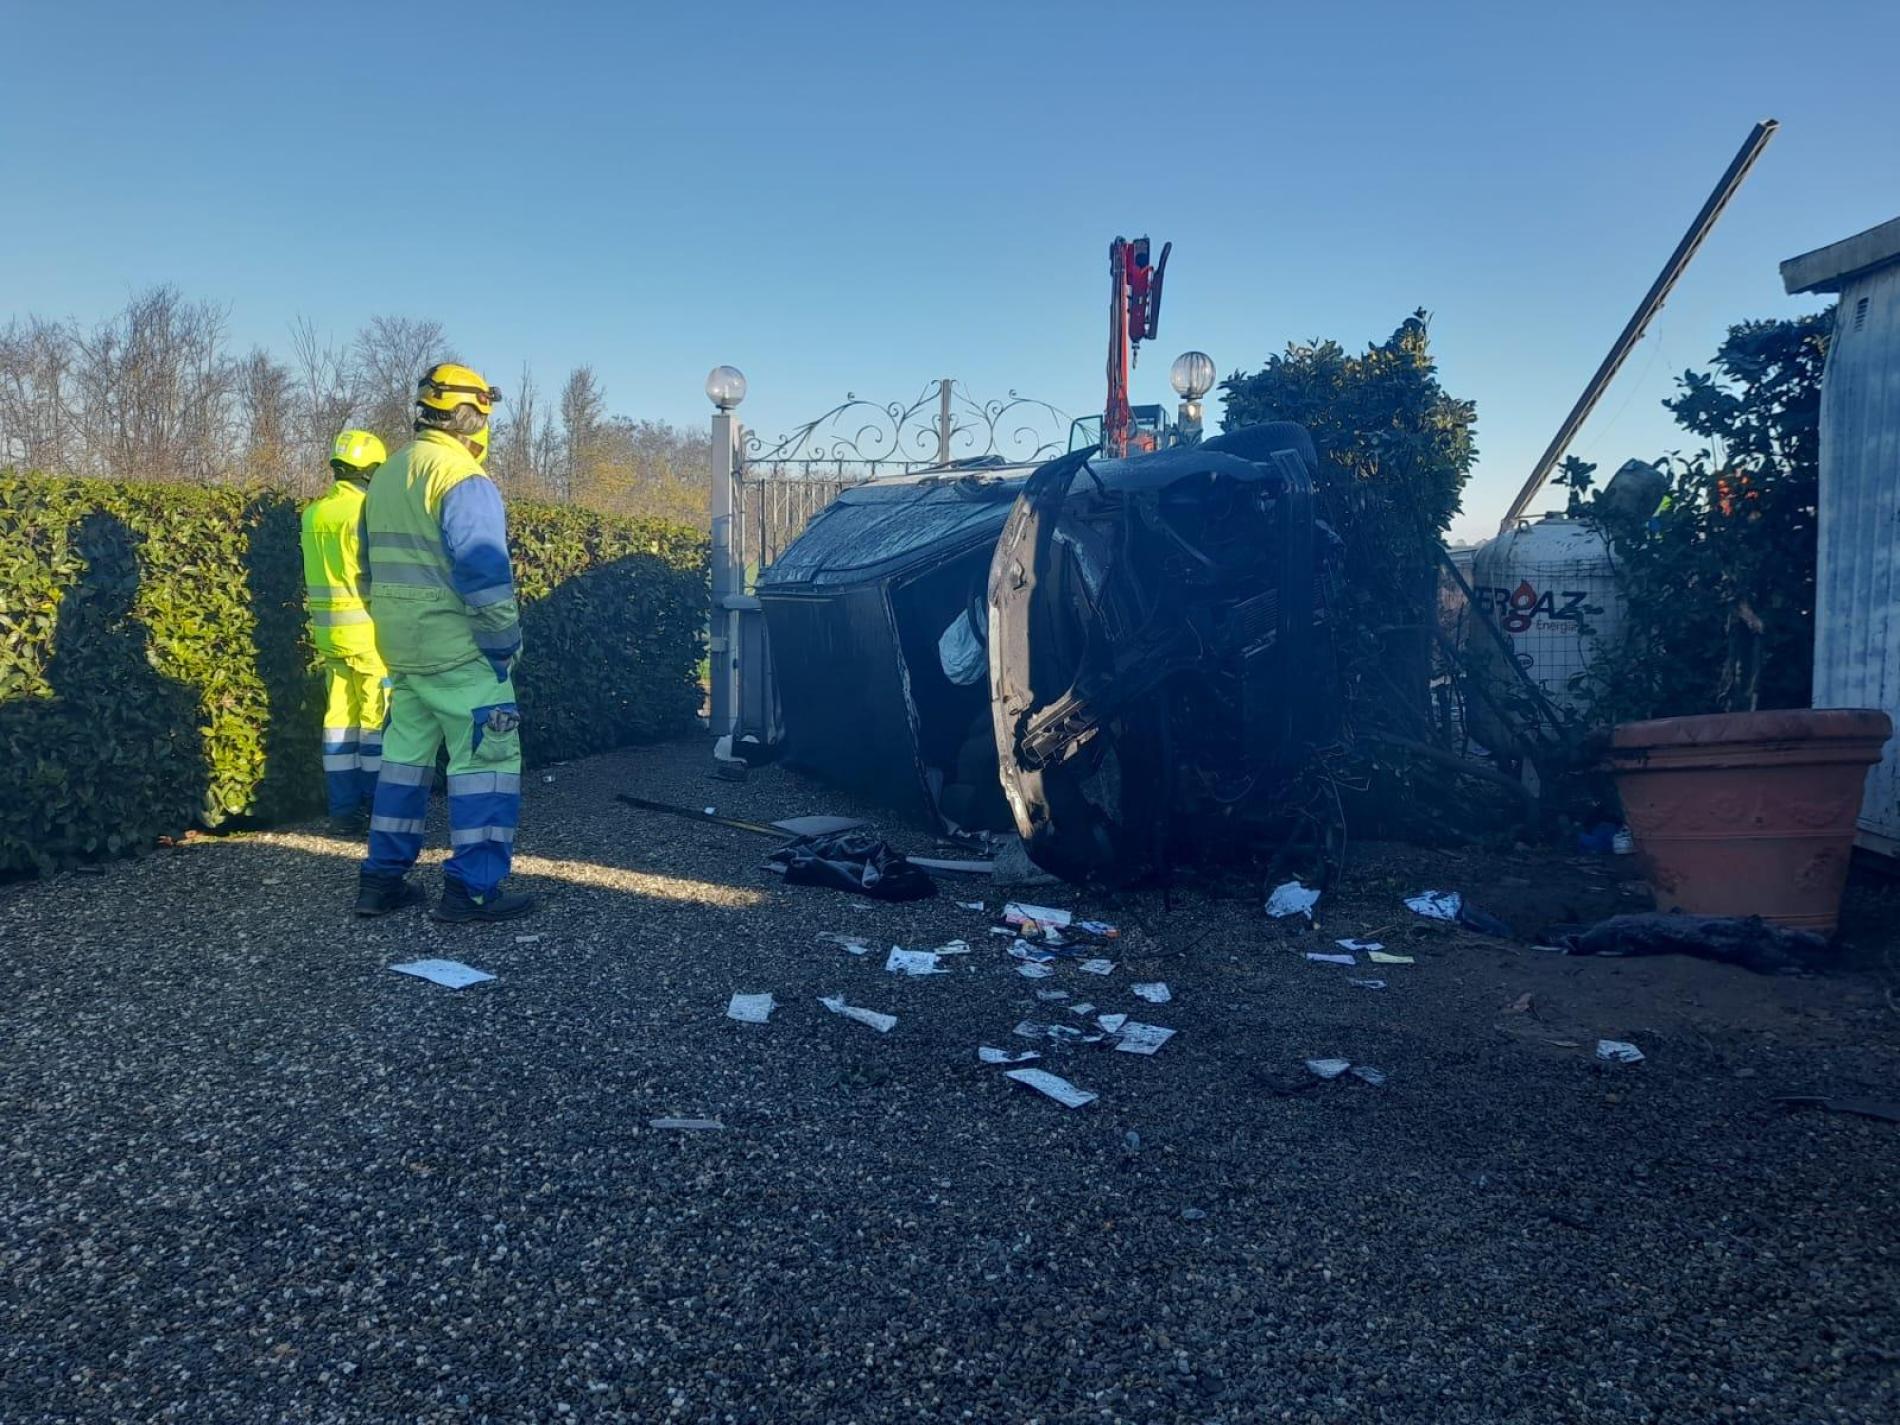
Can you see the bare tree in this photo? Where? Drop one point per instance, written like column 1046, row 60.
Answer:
column 36, row 422
column 387, row 358
column 325, row 401
column 267, row 422
column 154, row 390
column 151, row 393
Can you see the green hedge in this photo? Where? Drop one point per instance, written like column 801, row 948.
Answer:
column 155, row 673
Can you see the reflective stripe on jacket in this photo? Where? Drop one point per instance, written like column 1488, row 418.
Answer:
column 440, row 585
column 333, row 570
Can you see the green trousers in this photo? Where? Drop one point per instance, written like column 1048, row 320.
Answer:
column 477, row 717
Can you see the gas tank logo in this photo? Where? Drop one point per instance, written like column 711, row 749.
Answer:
column 1517, row 610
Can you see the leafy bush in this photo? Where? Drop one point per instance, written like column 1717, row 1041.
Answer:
column 1719, row 583
column 155, row 673
column 1395, row 452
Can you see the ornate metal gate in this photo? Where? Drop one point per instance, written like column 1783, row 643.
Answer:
column 780, row 486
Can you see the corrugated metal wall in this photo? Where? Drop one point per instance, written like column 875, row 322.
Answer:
column 1857, row 623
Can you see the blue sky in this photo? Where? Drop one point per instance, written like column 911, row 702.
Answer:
column 854, row 198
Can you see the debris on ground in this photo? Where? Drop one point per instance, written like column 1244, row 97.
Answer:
column 1323, row 958
column 1436, row 905
column 1135, row 1037
column 1520, row 1005
column 1883, row 1111
column 971, row 905
column 1381, row 957
column 1750, row 942
column 1452, row 906
column 688, row 1124
column 948, row 867
column 1155, row 992
column 1367, row 984
column 1052, row 994
column 1040, row 919
column 914, row 962
column 1020, row 913
column 1333, row 1068
column 1292, row 899
column 1035, row 970
column 451, row 974
column 751, row 1009
column 882, row 1023
column 855, row 861
column 819, row 825
column 1618, row 1051
column 1363, row 947
column 1111, row 1022
column 1097, row 967
column 1003, row 1056
column 1057, row 1033
column 1054, row 1086
column 855, row 944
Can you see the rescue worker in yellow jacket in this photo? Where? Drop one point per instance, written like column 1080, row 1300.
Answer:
column 333, row 571
column 442, row 594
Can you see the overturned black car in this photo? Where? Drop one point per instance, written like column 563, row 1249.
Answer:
column 1121, row 660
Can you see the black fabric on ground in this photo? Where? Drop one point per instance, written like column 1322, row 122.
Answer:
column 855, row 861
column 1752, row 943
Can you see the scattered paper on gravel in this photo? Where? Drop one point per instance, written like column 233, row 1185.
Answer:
column 1292, row 899
column 1436, row 905
column 1364, row 947
column 751, row 1009
column 1138, row 1038
column 914, row 962
column 1618, row 1051
column 452, row 974
column 1003, row 1056
column 1053, row 1085
column 1325, row 959
column 1379, row 957
column 1097, row 967
column 882, row 1023
column 1155, row 992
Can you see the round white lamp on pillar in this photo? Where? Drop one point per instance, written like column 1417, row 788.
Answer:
column 1192, row 377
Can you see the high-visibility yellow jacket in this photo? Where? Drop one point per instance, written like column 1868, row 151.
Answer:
column 440, row 586
column 333, row 570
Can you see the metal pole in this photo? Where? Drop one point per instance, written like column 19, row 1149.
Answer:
column 943, row 421
column 725, row 575
column 1645, row 311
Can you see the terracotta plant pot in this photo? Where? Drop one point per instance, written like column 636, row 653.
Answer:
column 1749, row 813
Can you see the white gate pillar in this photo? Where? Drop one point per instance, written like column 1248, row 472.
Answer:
column 725, row 387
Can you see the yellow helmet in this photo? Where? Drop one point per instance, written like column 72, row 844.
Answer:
column 358, row 450
column 447, row 385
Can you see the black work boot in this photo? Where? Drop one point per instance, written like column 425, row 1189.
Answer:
column 458, row 907
column 379, row 895
column 353, row 824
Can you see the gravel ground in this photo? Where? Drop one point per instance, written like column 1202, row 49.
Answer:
column 249, row 1175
